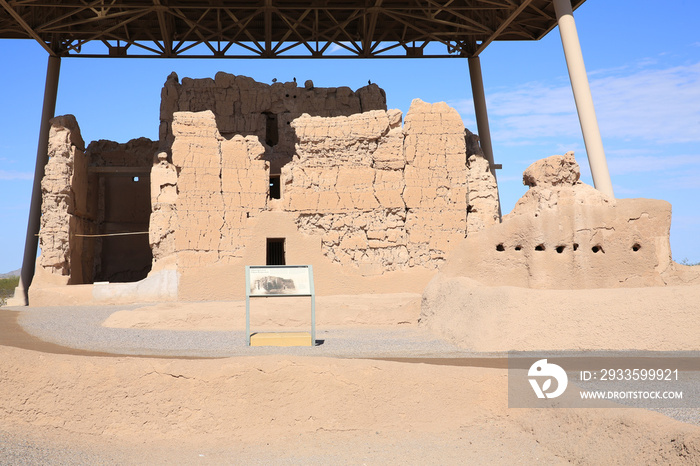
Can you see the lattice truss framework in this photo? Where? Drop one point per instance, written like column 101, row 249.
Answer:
column 274, row 28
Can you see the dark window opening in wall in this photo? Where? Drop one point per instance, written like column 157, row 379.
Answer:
column 271, row 131
column 275, row 251
column 275, row 192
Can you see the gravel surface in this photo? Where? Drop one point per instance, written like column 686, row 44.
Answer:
column 80, row 327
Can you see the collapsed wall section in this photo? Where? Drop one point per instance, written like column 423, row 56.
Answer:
column 120, row 174
column 564, row 234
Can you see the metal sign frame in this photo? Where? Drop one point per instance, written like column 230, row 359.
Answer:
column 279, row 286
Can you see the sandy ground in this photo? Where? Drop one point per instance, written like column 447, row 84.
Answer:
column 292, row 410
column 504, row 318
column 295, row 409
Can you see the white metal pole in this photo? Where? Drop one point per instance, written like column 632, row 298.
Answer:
column 582, row 96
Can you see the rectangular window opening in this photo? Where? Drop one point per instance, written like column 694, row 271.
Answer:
column 275, row 251
column 275, row 191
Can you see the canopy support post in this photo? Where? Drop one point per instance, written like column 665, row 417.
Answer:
column 42, row 157
column 583, row 98
column 482, row 118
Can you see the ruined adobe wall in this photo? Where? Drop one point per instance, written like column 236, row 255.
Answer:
column 137, row 153
column 73, row 202
column 382, row 197
column 564, row 234
column 246, row 107
column 379, row 197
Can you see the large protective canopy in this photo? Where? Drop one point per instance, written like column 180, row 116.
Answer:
column 274, row 28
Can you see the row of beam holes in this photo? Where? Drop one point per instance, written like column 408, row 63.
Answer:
column 560, row 249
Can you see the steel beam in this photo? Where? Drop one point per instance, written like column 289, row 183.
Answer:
column 482, row 118
column 42, row 157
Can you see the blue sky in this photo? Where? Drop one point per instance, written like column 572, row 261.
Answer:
column 643, row 63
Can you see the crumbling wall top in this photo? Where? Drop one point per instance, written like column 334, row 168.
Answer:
column 553, row 171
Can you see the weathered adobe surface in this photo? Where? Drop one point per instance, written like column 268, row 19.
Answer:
column 59, row 203
column 201, row 202
column 312, row 408
column 243, row 106
column 379, row 196
column 564, row 234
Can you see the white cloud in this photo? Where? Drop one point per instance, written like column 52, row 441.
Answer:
column 685, row 181
column 15, row 175
column 656, row 105
column 661, row 105
column 650, row 163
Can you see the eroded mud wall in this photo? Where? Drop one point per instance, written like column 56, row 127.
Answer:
column 68, row 211
column 564, row 234
column 203, row 200
column 246, row 107
column 379, row 197
column 122, row 172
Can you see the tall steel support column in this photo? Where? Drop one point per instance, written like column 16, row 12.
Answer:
column 42, row 157
column 482, row 117
column 582, row 96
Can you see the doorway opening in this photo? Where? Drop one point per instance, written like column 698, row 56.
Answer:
column 125, row 206
column 275, row 251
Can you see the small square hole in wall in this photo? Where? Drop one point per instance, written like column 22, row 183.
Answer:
column 275, row 190
column 135, row 179
column 275, row 251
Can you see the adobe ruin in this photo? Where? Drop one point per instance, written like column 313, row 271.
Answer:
column 246, row 173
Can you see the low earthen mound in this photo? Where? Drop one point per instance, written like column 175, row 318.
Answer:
column 504, row 318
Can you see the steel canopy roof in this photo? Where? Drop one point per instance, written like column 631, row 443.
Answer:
column 274, row 28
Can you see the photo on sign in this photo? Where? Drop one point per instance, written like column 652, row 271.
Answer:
column 279, row 280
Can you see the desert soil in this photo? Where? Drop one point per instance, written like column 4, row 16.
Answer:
column 67, row 409
column 296, row 409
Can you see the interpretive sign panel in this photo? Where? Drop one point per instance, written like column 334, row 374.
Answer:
column 270, row 281
column 276, row 280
